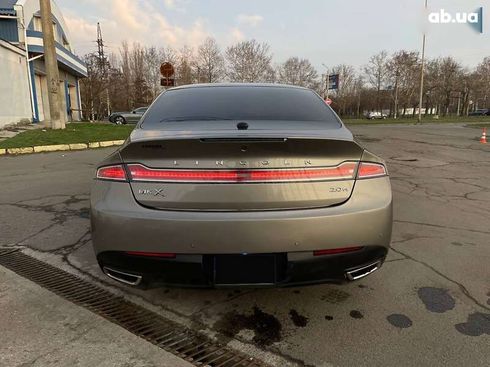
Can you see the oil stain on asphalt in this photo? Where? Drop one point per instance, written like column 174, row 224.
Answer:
column 298, row 320
column 335, row 296
column 266, row 327
column 356, row 314
column 400, row 321
column 478, row 324
column 436, row 299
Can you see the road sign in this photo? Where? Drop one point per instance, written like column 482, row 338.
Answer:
column 328, row 101
column 167, row 70
column 167, row 82
column 333, row 81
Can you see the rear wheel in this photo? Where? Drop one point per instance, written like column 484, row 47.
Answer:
column 119, row 120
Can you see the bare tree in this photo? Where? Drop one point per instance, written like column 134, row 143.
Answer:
column 168, row 54
column 345, row 97
column 376, row 71
column 482, row 97
column 141, row 90
column 402, row 75
column 449, row 73
column 126, row 72
column 298, row 71
column 249, row 61
column 185, row 64
column 210, row 62
column 152, row 68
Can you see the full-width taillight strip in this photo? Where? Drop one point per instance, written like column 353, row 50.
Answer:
column 343, row 171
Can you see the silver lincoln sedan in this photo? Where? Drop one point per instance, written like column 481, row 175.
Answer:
column 240, row 185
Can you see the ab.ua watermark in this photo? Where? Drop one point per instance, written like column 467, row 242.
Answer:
column 474, row 19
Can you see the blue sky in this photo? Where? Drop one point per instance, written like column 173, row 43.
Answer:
column 324, row 31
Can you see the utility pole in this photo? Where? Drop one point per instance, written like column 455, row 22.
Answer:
column 422, row 71
column 51, row 66
column 103, row 66
column 395, row 114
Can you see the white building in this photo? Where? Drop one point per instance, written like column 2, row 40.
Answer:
column 23, row 85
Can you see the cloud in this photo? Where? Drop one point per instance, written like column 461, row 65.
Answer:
column 132, row 21
column 177, row 5
column 235, row 35
column 251, row 20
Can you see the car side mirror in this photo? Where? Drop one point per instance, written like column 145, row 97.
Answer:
column 133, row 111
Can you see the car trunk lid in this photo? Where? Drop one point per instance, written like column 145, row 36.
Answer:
column 241, row 171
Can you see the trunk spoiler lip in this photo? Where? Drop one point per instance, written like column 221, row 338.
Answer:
column 139, row 135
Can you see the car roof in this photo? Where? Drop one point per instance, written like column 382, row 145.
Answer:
column 238, row 85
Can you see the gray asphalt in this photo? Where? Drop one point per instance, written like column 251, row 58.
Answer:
column 429, row 305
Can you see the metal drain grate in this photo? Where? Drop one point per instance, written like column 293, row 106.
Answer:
column 166, row 334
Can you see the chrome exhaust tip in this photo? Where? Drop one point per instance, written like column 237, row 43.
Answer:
column 123, row 277
column 363, row 271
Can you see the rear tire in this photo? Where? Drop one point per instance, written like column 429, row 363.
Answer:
column 119, row 120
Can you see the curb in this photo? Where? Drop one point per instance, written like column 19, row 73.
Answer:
column 60, row 147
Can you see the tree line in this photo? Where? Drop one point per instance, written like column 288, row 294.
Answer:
column 388, row 83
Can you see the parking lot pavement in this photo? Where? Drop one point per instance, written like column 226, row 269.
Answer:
column 428, row 305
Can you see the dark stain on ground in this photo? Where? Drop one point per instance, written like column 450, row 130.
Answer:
column 328, row 317
column 367, row 139
column 459, row 244
column 399, row 320
column 404, row 159
column 335, row 296
column 296, row 291
column 362, row 286
column 356, row 314
column 436, row 299
column 73, row 200
column 298, row 320
column 84, row 213
column 478, row 324
column 266, row 327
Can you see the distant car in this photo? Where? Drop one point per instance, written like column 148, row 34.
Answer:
column 375, row 116
column 208, row 192
column 480, row 112
column 123, row 118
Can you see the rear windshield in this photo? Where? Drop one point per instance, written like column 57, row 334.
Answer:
column 239, row 103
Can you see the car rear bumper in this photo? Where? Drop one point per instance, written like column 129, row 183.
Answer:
column 202, row 270
column 120, row 224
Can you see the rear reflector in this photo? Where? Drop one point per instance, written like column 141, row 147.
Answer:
column 371, row 170
column 167, row 255
column 115, row 173
column 343, row 171
column 335, row 251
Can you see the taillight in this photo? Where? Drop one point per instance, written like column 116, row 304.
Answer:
column 335, row 251
column 371, row 170
column 113, row 173
column 344, row 171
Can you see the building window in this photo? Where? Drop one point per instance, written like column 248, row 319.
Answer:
column 66, row 44
column 37, row 24
column 36, row 20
